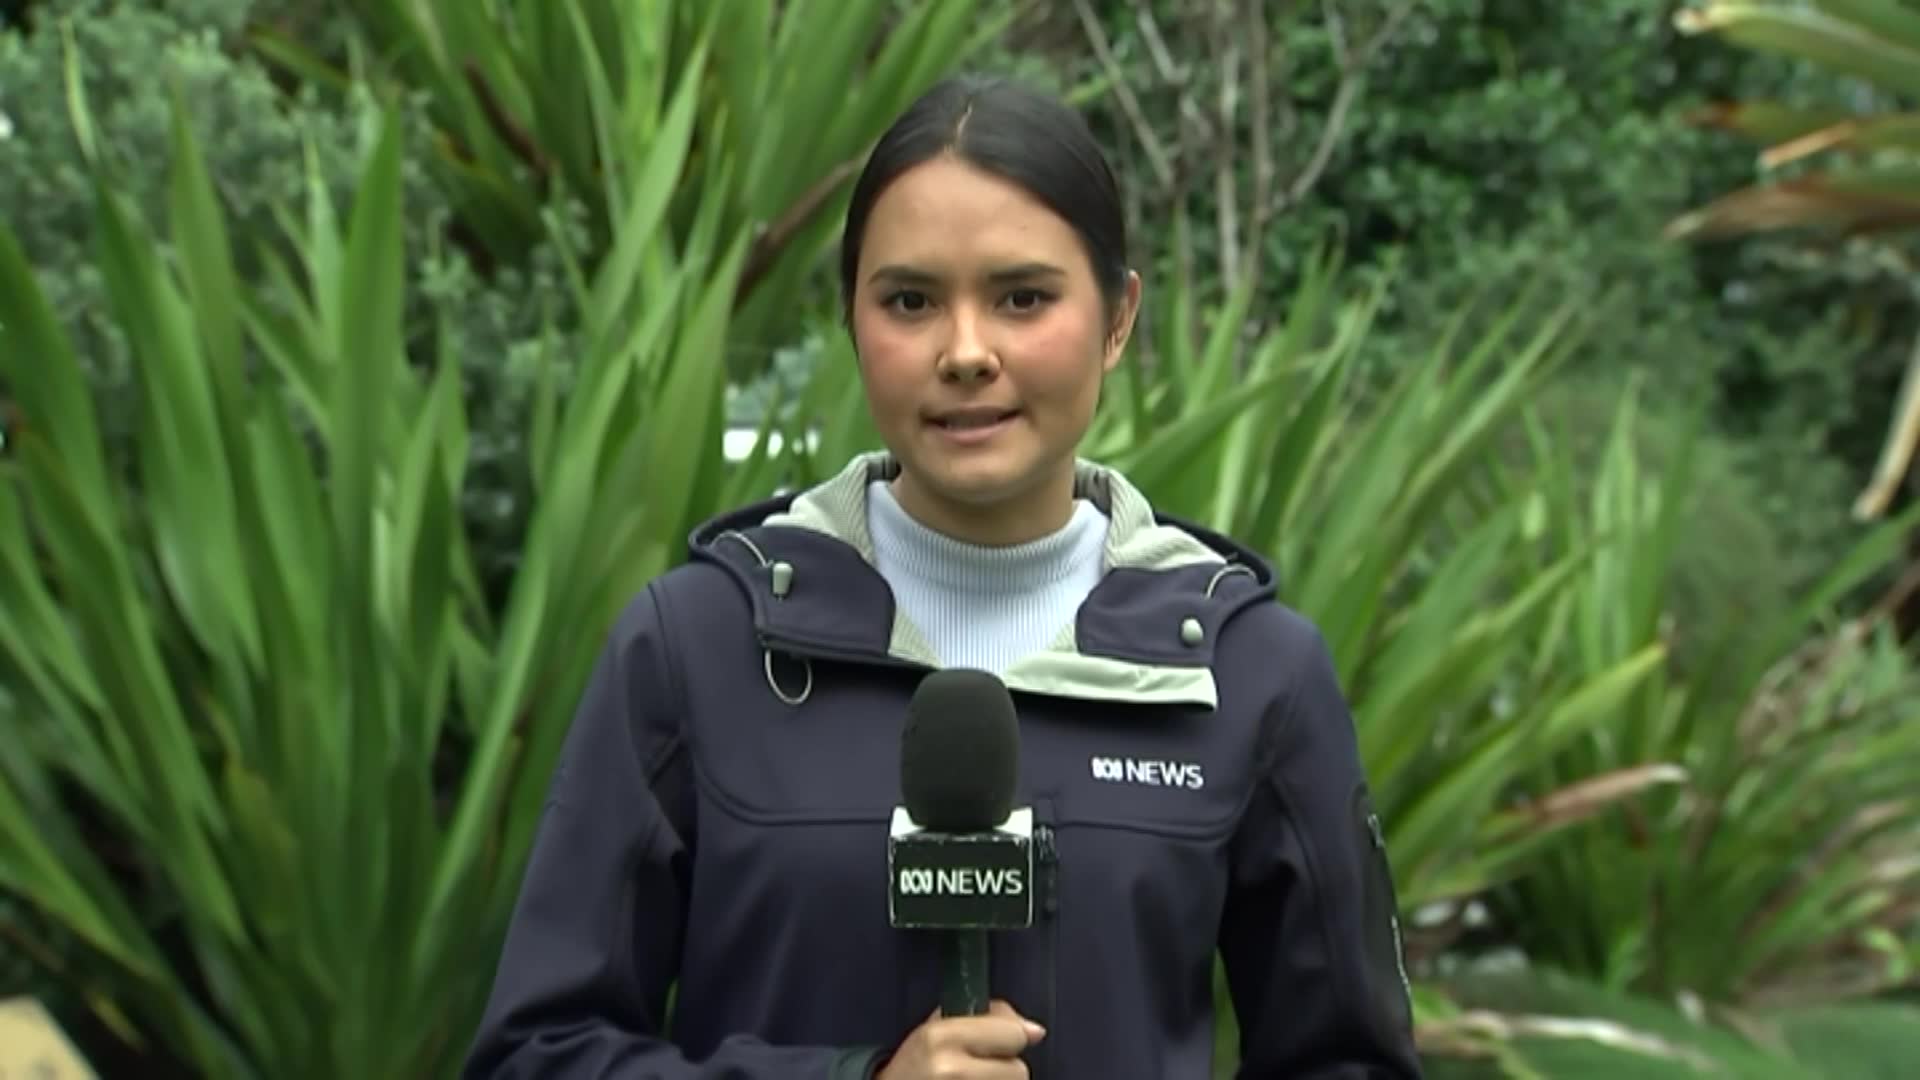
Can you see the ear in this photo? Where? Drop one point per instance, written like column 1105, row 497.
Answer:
column 1121, row 329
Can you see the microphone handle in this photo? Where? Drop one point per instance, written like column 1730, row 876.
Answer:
column 963, row 985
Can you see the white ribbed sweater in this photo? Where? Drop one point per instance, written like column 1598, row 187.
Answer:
column 985, row 607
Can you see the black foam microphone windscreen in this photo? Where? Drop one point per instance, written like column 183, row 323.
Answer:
column 960, row 752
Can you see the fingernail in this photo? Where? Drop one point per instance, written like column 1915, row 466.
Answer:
column 1035, row 1032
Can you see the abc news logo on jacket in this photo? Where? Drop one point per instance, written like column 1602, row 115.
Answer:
column 964, row 881
column 1181, row 774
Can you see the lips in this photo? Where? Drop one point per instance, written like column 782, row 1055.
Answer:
column 970, row 419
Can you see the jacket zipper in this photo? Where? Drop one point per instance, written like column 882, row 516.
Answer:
column 1047, row 858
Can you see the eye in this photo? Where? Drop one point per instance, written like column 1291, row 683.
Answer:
column 1026, row 301
column 906, row 302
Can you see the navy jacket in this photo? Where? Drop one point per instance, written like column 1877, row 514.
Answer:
column 718, row 820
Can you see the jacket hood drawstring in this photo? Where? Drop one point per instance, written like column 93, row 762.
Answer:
column 780, row 582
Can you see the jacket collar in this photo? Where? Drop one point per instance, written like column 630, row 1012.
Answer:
column 1145, row 634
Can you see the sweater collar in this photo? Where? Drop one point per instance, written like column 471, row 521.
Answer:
column 933, row 557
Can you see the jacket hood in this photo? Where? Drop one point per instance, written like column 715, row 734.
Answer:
column 1146, row 634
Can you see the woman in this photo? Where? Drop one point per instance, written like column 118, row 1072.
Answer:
column 718, row 820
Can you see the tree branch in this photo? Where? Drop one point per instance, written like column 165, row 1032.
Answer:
column 1353, row 68
column 1226, row 187
column 1122, row 92
column 1259, row 80
column 1177, row 76
column 1172, row 73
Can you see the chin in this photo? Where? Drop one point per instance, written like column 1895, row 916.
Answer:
column 978, row 483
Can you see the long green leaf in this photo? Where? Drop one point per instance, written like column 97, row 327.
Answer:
column 1836, row 43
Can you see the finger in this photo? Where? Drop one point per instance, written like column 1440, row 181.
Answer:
column 959, row 1063
column 999, row 1007
column 989, row 1036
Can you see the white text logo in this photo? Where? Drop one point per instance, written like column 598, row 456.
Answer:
column 1184, row 774
column 963, row 881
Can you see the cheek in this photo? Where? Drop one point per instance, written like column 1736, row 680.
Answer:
column 890, row 364
column 1064, row 358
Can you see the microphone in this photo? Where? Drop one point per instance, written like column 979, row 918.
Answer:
column 960, row 856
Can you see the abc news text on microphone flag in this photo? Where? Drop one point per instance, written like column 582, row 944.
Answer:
column 959, row 881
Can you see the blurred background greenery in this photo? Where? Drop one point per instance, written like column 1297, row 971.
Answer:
column 358, row 359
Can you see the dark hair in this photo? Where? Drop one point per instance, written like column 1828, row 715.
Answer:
column 1016, row 133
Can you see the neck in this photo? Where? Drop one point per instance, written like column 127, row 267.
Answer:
column 985, row 606
column 1023, row 518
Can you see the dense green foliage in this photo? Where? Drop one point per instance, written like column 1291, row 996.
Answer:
column 1489, row 143
column 1486, row 146
column 282, row 290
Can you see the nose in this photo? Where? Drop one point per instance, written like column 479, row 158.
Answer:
column 968, row 356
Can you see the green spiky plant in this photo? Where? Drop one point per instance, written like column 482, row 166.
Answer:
column 1837, row 170
column 246, row 684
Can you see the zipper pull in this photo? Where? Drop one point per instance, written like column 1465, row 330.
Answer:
column 1047, row 859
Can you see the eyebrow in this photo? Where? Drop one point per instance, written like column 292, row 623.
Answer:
column 1026, row 271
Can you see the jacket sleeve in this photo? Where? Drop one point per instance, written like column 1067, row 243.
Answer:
column 1310, row 935
column 591, row 950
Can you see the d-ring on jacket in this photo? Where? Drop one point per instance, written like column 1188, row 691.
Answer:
column 719, row 815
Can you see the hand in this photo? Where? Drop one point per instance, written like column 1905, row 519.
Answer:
column 966, row 1047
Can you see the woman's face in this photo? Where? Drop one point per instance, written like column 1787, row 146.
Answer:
column 983, row 340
